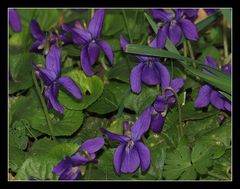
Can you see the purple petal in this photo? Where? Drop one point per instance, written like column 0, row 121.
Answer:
column 85, row 62
column 92, row 145
column 227, row 68
column 211, row 11
column 159, row 104
column 189, row 29
column 78, row 25
column 118, row 157
column 162, row 36
column 228, row 106
column 175, row 33
column 51, row 94
column 144, row 155
column 160, row 14
column 113, row 136
column 164, row 75
column 64, row 39
column 203, row 97
column 178, row 13
column 210, row 62
column 70, row 174
column 62, row 166
column 15, row 20
column 79, row 36
column 157, row 122
column 153, row 43
column 93, row 50
column 37, row 46
column 130, row 160
column 176, row 84
column 123, row 42
column 217, row 100
column 141, row 125
column 79, row 160
column 135, row 78
column 107, row 49
column 191, row 13
column 46, row 75
column 53, row 59
column 96, row 23
column 171, row 101
column 70, row 86
column 150, row 74
column 36, row 30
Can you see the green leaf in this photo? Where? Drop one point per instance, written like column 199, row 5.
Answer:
column 71, row 50
column 104, row 170
column 110, row 27
column 183, row 164
column 105, row 104
column 63, row 125
column 227, row 14
column 138, row 102
column 121, row 71
column 41, row 160
column 206, row 22
column 18, row 135
column 20, row 69
column 152, row 23
column 212, row 52
column 47, row 19
column 91, row 88
column 37, row 167
column 190, row 113
column 16, row 158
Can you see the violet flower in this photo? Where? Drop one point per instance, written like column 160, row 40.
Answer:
column 45, row 39
column 191, row 14
column 15, row 20
column 149, row 70
column 69, row 168
column 90, row 40
column 208, row 94
column 162, row 104
column 175, row 25
column 51, row 78
column 132, row 152
column 211, row 11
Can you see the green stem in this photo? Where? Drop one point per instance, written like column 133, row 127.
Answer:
column 121, row 106
column 217, row 176
column 191, row 52
column 89, row 171
column 126, row 23
column 180, row 129
column 92, row 13
column 184, row 48
column 43, row 105
column 225, row 43
column 31, row 132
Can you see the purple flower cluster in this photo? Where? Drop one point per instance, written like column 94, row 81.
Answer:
column 69, row 168
column 149, row 70
column 90, row 40
column 51, row 78
column 209, row 95
column 175, row 24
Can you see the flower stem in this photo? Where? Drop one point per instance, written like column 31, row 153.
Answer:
column 127, row 27
column 225, row 43
column 180, row 129
column 191, row 52
column 43, row 105
column 185, row 49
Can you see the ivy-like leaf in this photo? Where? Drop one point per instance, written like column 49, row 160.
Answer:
column 91, row 88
